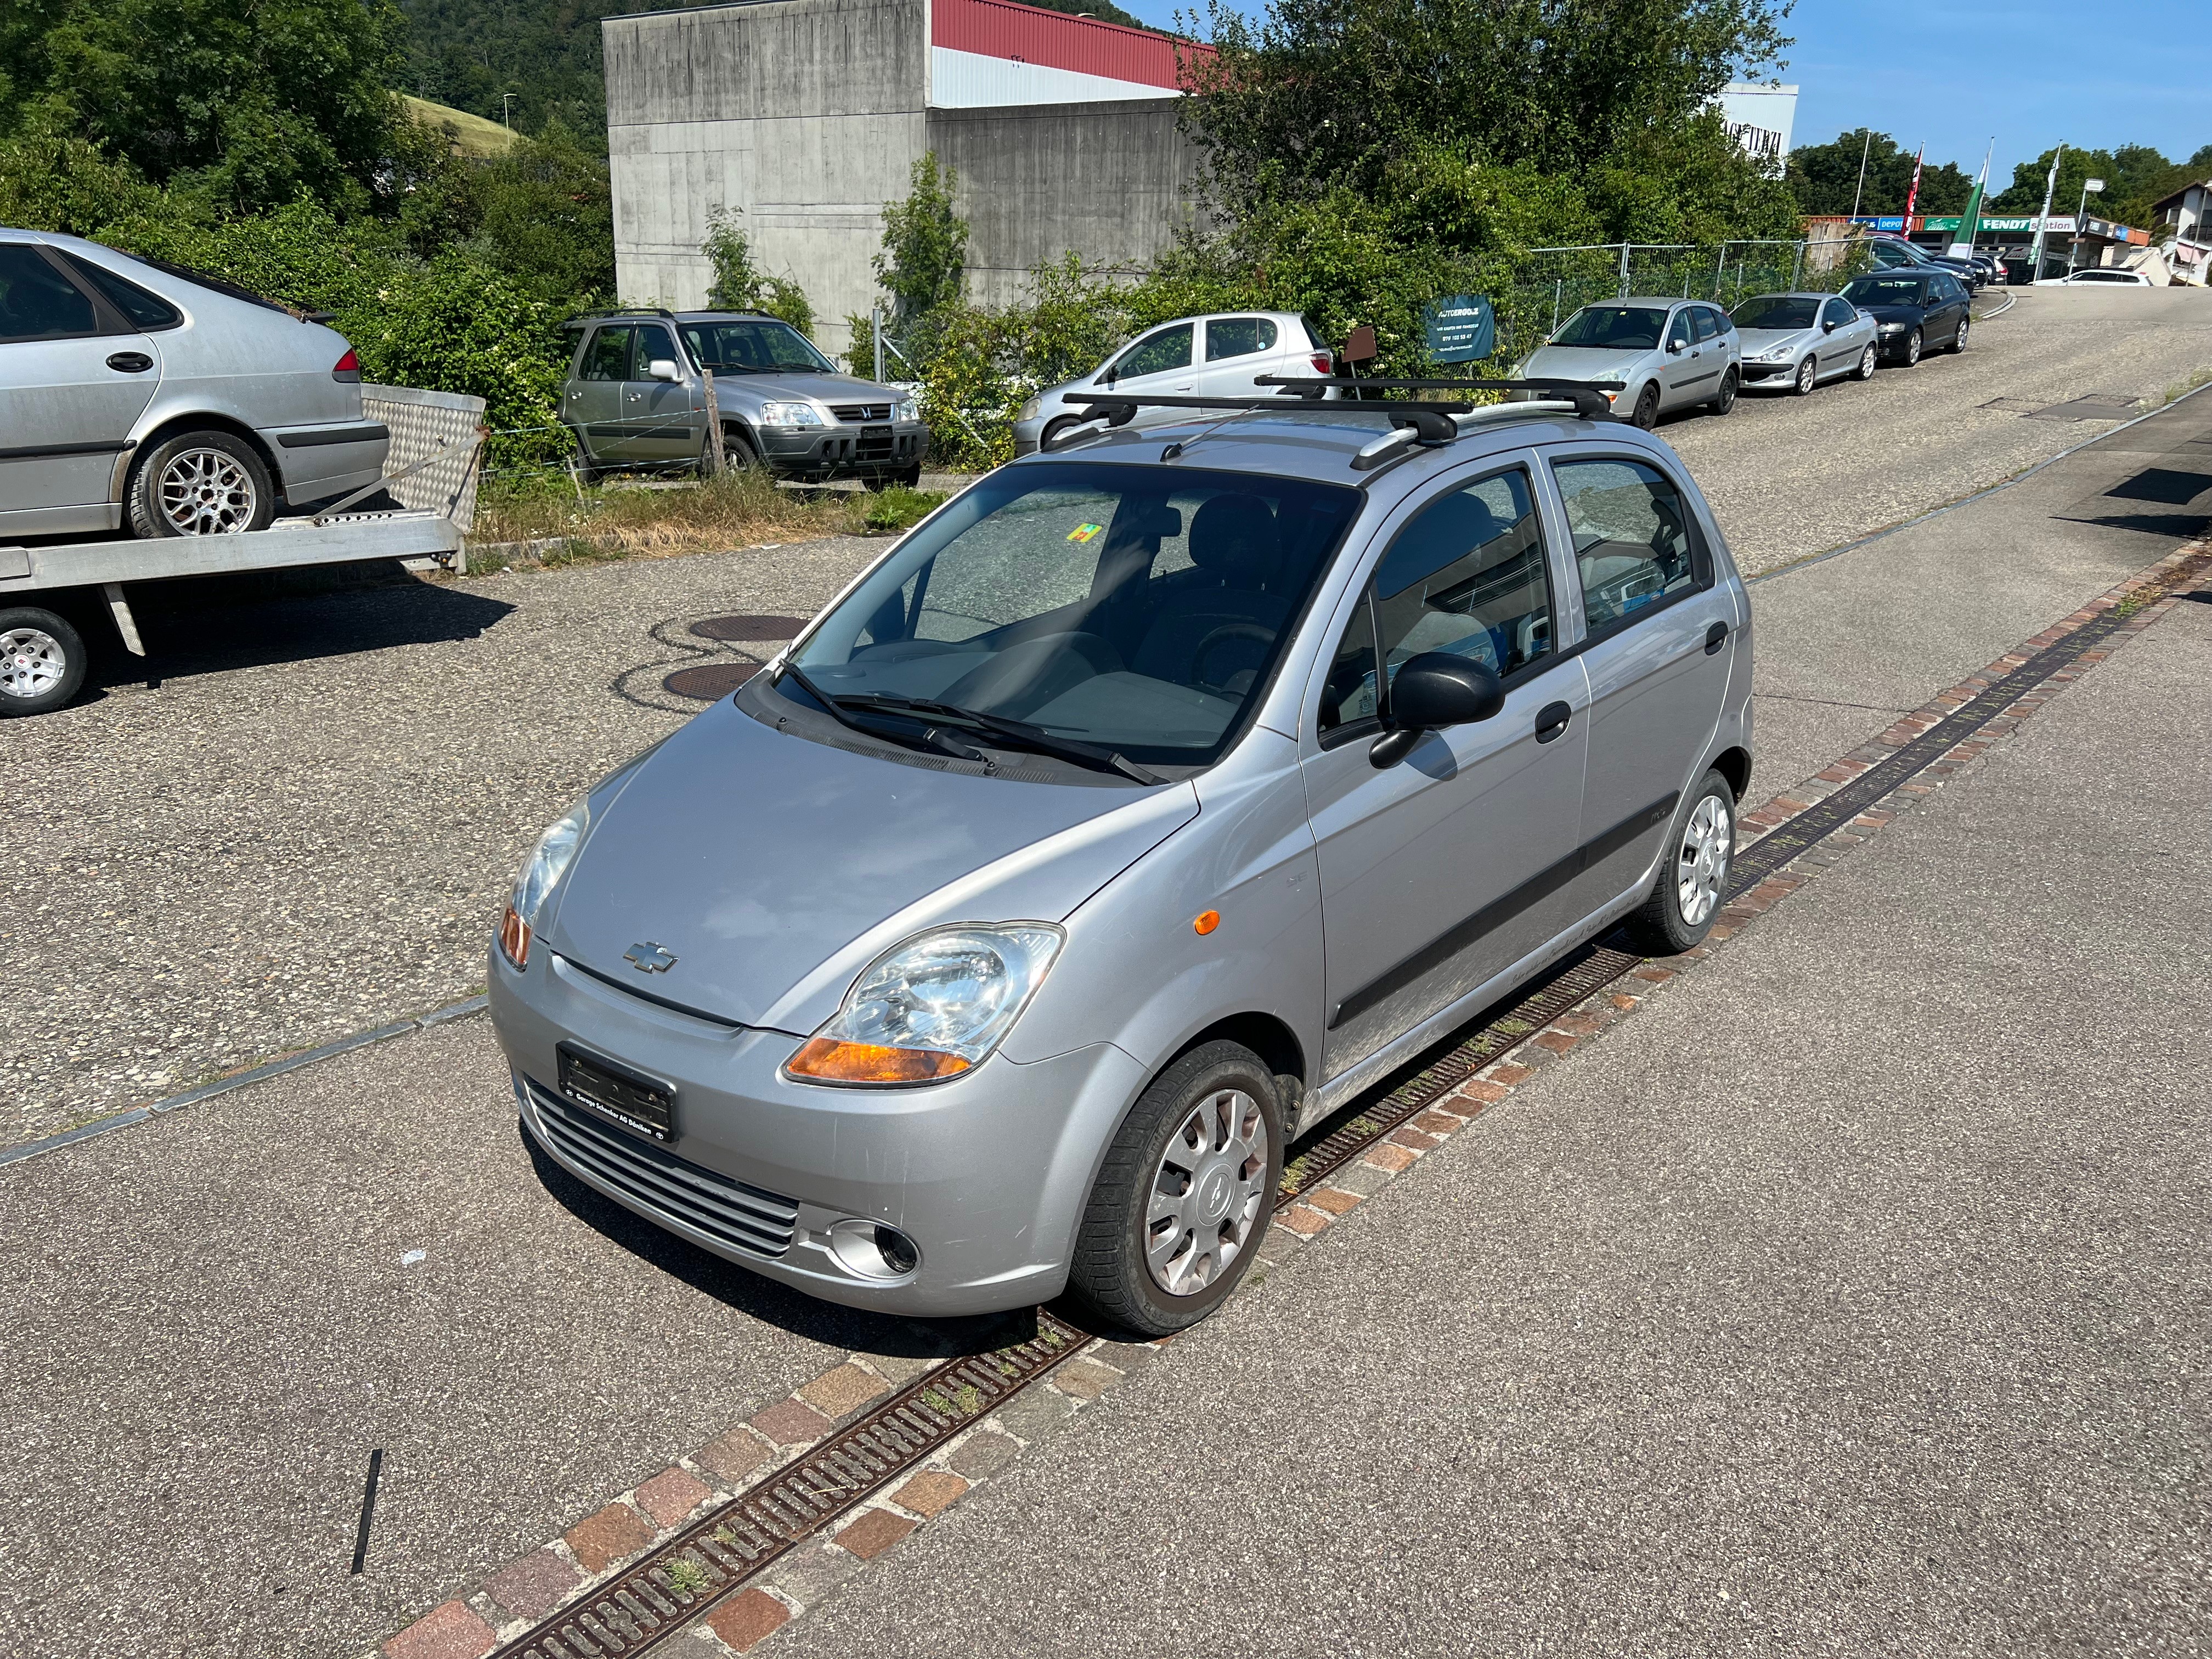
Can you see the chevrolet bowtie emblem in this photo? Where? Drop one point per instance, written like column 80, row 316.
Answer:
column 649, row 959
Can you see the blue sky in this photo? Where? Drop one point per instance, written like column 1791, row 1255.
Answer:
column 2094, row 74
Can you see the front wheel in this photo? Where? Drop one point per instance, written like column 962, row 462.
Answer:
column 41, row 662
column 1807, row 372
column 1959, row 340
column 1913, row 345
column 1184, row 1197
column 1693, row 881
column 1868, row 360
column 1647, row 407
column 1724, row 399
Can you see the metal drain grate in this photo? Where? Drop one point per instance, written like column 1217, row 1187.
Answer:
column 713, row 1556
column 1592, row 968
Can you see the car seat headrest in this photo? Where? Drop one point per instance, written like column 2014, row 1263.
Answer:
column 1235, row 538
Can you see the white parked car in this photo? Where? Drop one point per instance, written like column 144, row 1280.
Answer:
column 2098, row 277
column 1220, row 356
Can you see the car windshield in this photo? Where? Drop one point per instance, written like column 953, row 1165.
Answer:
column 1635, row 327
column 1137, row 609
column 753, row 348
column 1776, row 310
column 1887, row 291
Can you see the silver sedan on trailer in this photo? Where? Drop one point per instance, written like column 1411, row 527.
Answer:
column 1798, row 340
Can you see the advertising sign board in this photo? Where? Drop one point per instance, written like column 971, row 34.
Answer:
column 1461, row 328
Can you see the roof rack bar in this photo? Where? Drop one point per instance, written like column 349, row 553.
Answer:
column 1587, row 396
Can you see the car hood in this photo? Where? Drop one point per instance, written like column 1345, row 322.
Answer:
column 775, row 868
column 1756, row 340
column 1553, row 362
column 825, row 388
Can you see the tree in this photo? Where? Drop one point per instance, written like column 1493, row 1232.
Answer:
column 2135, row 176
column 925, row 244
column 247, row 102
column 739, row 284
column 1825, row 177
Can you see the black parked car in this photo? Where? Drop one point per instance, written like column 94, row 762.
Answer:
column 1914, row 311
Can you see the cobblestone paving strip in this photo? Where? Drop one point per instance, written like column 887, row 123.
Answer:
column 1318, row 1191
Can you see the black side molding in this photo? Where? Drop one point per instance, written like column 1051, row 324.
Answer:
column 54, row 452
column 333, row 435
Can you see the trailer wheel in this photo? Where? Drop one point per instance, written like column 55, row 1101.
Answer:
column 41, row 662
column 201, row 483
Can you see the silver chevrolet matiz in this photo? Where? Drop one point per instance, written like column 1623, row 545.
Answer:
column 1129, row 817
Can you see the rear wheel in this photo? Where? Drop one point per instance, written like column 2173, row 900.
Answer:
column 201, row 483
column 1647, row 407
column 41, row 662
column 1693, row 881
column 1185, row 1195
column 1724, row 399
column 1807, row 372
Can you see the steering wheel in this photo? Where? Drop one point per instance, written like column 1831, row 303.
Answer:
column 1239, row 630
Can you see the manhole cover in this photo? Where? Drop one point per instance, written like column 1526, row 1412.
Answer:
column 748, row 628
column 710, row 681
column 2094, row 406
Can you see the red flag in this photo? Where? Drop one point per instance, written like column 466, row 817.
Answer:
column 1912, row 196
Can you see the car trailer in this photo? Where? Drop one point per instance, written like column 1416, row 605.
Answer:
column 431, row 472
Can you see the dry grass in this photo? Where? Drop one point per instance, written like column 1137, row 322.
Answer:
column 738, row 509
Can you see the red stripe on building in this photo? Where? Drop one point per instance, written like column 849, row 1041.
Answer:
column 1030, row 34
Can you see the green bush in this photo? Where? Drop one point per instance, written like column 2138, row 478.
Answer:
column 739, row 284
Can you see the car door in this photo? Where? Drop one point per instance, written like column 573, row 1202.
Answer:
column 665, row 419
column 1236, row 349
column 1655, row 625
column 595, row 395
column 1442, row 868
column 75, row 377
column 1159, row 365
column 1686, row 368
column 1841, row 343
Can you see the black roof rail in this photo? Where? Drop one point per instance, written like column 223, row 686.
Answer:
column 1587, row 396
column 582, row 318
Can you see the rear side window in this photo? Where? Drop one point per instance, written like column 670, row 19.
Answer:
column 1634, row 546
column 1238, row 337
column 147, row 312
column 1467, row 576
column 607, row 357
column 37, row 302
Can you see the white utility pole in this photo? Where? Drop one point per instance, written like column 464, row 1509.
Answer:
column 2043, row 219
column 1860, row 192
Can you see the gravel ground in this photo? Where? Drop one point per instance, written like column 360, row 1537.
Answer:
column 306, row 825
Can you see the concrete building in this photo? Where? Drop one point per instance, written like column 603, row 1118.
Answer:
column 806, row 116
column 2183, row 226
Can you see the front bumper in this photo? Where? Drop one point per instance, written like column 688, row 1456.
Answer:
column 985, row 1173
column 848, row 450
column 1753, row 372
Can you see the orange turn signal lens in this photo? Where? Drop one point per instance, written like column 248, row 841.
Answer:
column 1207, row 921
column 514, row 939
column 833, row 1062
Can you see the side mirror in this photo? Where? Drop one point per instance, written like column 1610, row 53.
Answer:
column 1829, row 327
column 660, row 368
column 1677, row 347
column 1435, row 689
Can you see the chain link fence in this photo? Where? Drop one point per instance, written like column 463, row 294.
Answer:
column 1557, row 282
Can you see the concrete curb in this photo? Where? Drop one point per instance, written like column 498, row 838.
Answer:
column 292, row 1062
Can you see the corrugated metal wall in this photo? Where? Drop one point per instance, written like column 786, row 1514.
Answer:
column 1028, row 35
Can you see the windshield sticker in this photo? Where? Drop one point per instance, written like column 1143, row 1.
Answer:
column 1084, row 533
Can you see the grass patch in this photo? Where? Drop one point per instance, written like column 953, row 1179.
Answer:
column 591, row 525
column 2181, row 389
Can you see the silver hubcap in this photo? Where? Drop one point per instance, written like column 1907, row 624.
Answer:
column 205, row 492
column 1912, row 348
column 32, row 662
column 1805, row 375
column 1866, row 364
column 1207, row 1194
column 1962, row 333
column 1701, row 867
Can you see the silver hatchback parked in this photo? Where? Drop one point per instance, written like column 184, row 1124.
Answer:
column 141, row 395
column 1133, row 814
column 1665, row 355
column 1798, row 340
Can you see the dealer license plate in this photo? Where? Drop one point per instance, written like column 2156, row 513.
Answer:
column 632, row 1099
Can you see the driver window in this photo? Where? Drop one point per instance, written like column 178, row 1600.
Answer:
column 1467, row 576
column 653, row 343
column 1840, row 311
column 1678, row 333
column 1633, row 544
column 1156, row 354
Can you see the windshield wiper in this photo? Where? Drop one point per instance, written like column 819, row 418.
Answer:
column 1096, row 757
column 929, row 737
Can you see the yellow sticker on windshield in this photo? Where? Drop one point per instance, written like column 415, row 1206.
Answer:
column 1084, row 533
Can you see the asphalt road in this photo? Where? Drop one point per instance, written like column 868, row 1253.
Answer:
column 304, row 826
column 1848, row 1300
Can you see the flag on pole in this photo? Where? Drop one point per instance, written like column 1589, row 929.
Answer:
column 1912, row 196
column 1970, row 221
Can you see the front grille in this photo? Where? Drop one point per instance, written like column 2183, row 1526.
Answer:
column 861, row 412
column 729, row 1212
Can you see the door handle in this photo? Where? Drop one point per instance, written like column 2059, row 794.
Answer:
column 1714, row 636
column 131, row 362
column 1551, row 719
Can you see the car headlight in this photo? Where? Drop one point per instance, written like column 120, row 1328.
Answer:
column 1892, row 328
column 548, row 862
column 932, row 1008
column 906, row 409
column 1031, row 410
column 790, row 415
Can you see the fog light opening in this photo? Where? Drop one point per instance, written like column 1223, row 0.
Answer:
column 869, row 1249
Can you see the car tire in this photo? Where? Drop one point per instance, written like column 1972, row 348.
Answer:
column 1207, row 1135
column 1693, row 881
column 205, row 483
column 910, row 477
column 1724, row 399
column 1959, row 340
column 1870, row 360
column 1808, row 375
column 41, row 662
column 739, row 451
column 1057, row 425
column 1912, row 348
column 1647, row 407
